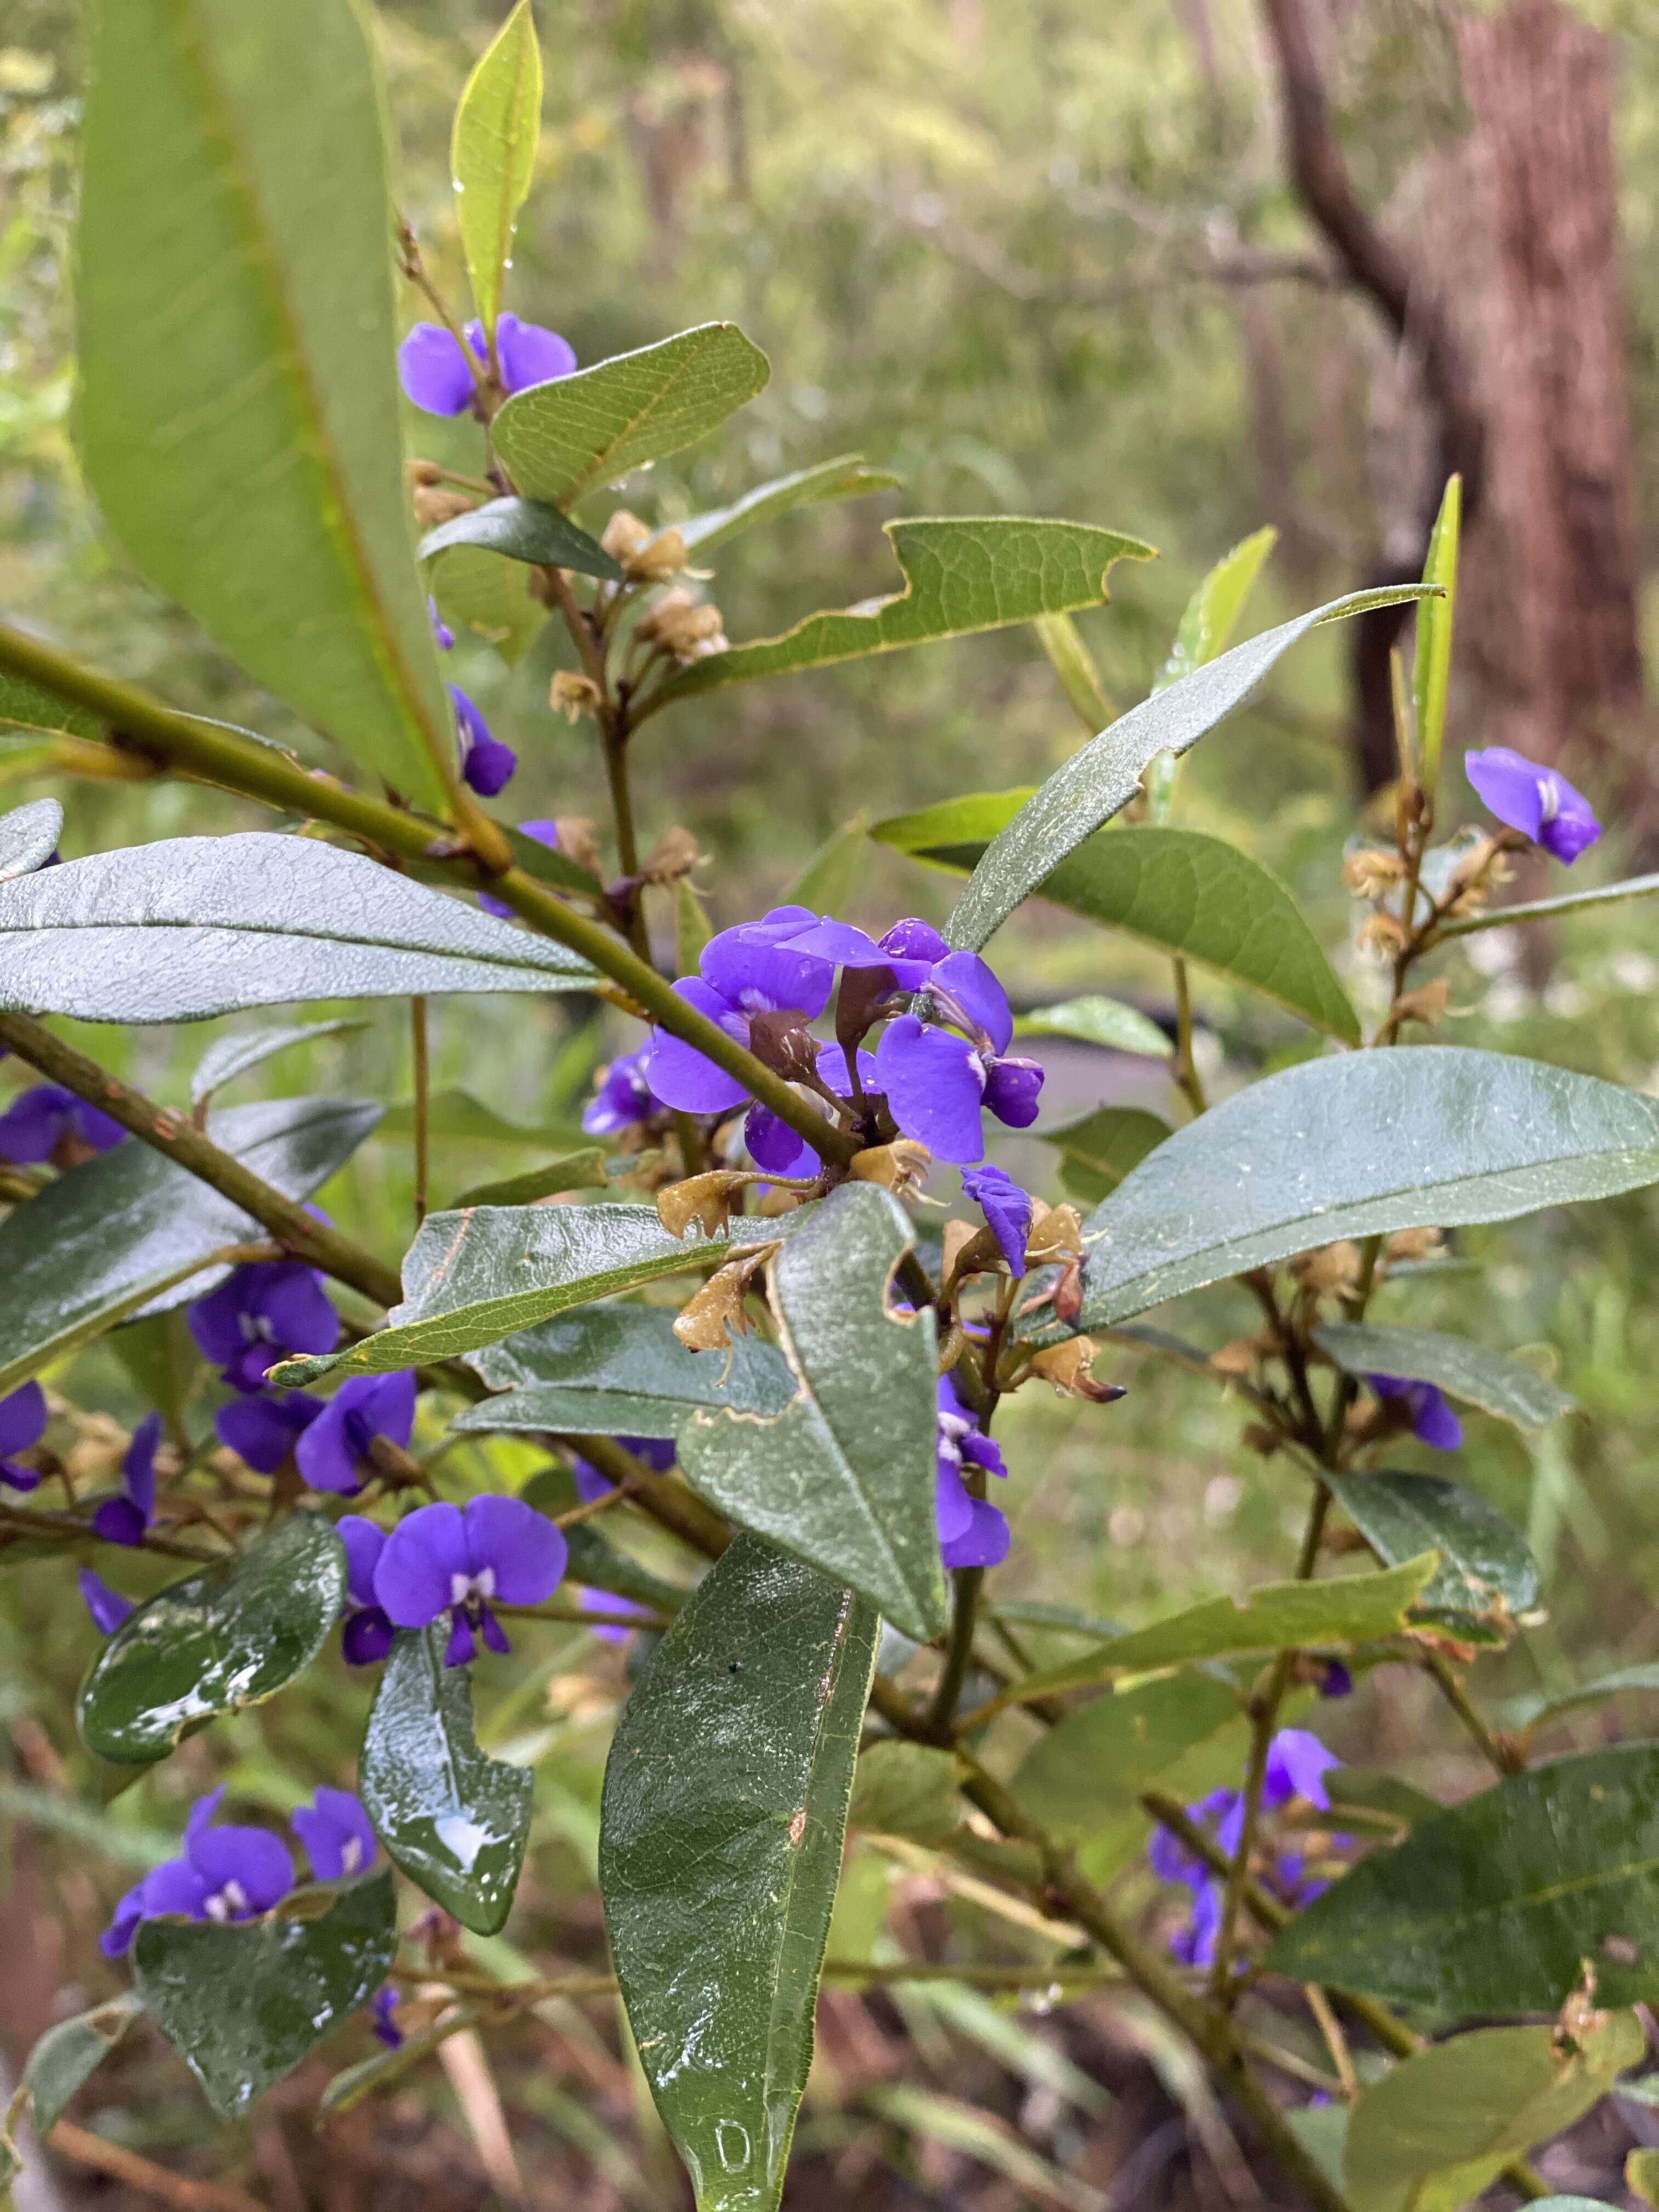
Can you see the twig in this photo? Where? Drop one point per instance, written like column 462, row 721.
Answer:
column 1335, row 2041
column 1185, row 1067
column 179, row 2190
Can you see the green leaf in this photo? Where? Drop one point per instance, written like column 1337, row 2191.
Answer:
column 229, row 1636
column 692, row 928
column 242, row 2003
column 1352, row 1145
column 193, row 927
column 1091, row 1766
column 1074, row 665
column 1485, row 1569
column 1097, row 1151
column 1508, row 1387
column 954, row 832
column 1104, row 777
column 1204, row 629
column 549, row 866
column 827, row 881
column 369, row 2075
column 25, row 706
column 620, row 1371
column 459, row 1117
column 454, row 1819
column 1546, row 909
column 228, row 1057
column 905, row 1789
column 596, row 1564
column 64, row 2057
column 1492, row 1907
column 1439, row 2127
column 975, row 2134
column 1642, row 2175
column 845, row 1476
column 563, row 439
column 1434, row 635
column 1277, row 1616
column 961, row 574
column 492, row 154
column 1534, row 1710
column 719, row 1871
column 1098, row 1021
column 239, row 407
column 526, row 529
column 28, row 837
column 583, row 1170
column 112, row 1234
column 480, row 595
column 845, row 477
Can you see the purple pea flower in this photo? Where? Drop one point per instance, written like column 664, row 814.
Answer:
column 263, row 1428
column 1433, row 1422
column 609, row 1632
column 333, row 1451
column 1535, row 800
column 49, row 1123
column 487, row 765
column 125, row 1518
column 742, row 972
column 1006, row 1206
column 972, row 1533
column 443, row 1559
column 624, row 1096
column 657, row 1452
column 223, row 1874
column 544, row 833
column 939, row 1073
column 336, row 1834
column 367, row 1637
column 260, row 1311
column 440, row 629
column 108, row 1608
column 380, row 2009
column 777, row 1148
column 436, row 375
column 1297, row 1764
column 22, row 1423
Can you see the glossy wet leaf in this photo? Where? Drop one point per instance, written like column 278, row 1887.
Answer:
column 454, row 1819
column 1091, row 1766
column 1485, row 1569
column 1492, row 1907
column 1097, row 1151
column 492, row 154
column 847, row 477
column 215, row 1642
column 1439, row 2127
column 193, row 927
column 228, row 1057
column 1099, row 1021
column 1354, row 1145
column 1508, row 1387
column 1276, row 1617
column 1095, row 783
column 239, row 408
column 561, row 440
column 583, row 1170
column 620, row 1371
column 719, row 1871
column 67, row 2056
column 242, row 2003
column 529, row 529
column 961, row 575
column 102, row 1240
column 28, row 837
column 905, row 1789
column 1431, row 668
column 845, row 1476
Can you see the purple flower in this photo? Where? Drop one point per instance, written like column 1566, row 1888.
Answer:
column 609, row 1632
column 336, row 1832
column 1006, row 1206
column 333, row 1450
column 624, row 1096
column 971, row 1532
column 440, row 629
column 442, row 1559
column 380, row 2009
column 48, row 1122
column 544, row 833
column 1535, row 800
column 22, row 1423
column 124, row 1519
column 487, row 765
column 938, row 1073
column 108, row 1608
column 436, row 375
column 1433, row 1421
column 1194, row 1944
column 742, row 972
column 1297, row 1765
column 367, row 1637
column 223, row 1874
column 263, row 1430
column 259, row 1312
column 777, row 1148
column 657, row 1452
column 1338, row 1682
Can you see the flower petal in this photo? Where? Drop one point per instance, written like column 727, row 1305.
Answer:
column 108, row 1608
column 527, row 353
column 984, row 1543
column 367, row 1637
column 119, row 1521
column 422, row 1555
column 520, row 1546
column 138, row 1466
column 364, row 1540
column 978, row 992
column 756, row 976
column 255, row 1860
column 953, row 1509
column 1007, row 1210
column 434, row 372
column 774, row 1145
column 1296, row 1764
column 336, row 1834
column 935, row 1084
column 1011, row 1088
column 685, row 1078
column 1510, row 785
column 22, row 1418
column 32, row 1123
column 262, row 1430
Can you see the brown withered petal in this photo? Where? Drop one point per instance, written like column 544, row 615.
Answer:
column 624, row 534
column 1426, row 1003
column 1068, row 1294
column 571, row 695
column 1069, row 1367
column 1056, row 1234
column 714, row 1316
column 674, row 855
column 579, row 841
column 704, row 1198
column 899, row 1167
column 433, row 506
column 1330, row 1271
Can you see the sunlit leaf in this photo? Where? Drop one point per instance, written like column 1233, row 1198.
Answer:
column 492, row 154
column 1091, row 1766
column 1106, row 1022
column 905, row 1789
column 845, row 477
column 528, row 530
column 1098, row 1151
column 583, row 1170
column 1433, row 670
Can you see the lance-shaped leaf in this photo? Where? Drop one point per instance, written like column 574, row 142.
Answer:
column 193, row 927
column 1097, row 1151
column 1205, row 625
column 458, row 1116
column 1100, row 1021
column 1432, row 671
column 239, row 404
column 25, row 707
column 242, row 2003
column 621, row 1371
column 582, row 1170
column 1091, row 1766
column 492, row 154
column 1494, row 1906
column 67, row 2056
column 719, row 1870
column 955, row 832
column 1531, row 1711
column 1355, row 1144
column 1569, row 903
column 103, row 1240
column 28, row 837
column 562, row 439
column 453, row 1819
column 844, row 1476
column 905, row 1789
column 1074, row 665
column 1485, row 1569
column 526, row 529
column 962, row 575
column 228, row 1057
column 1508, row 1387
column 229, row 1637
column 845, row 477
column 1105, row 776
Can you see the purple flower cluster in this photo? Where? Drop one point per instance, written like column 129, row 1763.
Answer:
column 1433, row 1420
column 443, row 379
column 1007, row 1209
column 50, row 1124
column 1535, row 800
column 259, row 1314
column 22, row 1425
column 447, row 1559
column 623, row 1097
column 972, row 1533
column 123, row 1518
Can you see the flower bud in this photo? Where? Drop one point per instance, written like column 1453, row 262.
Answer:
column 1382, row 934
column 573, row 696
column 674, row 855
column 1067, row 1296
column 900, row 1167
column 683, row 627
column 1234, row 1359
column 624, row 535
column 1413, row 1243
column 1332, row 1272
column 655, row 562
column 705, row 1199
column 1371, row 873
column 1069, row 1367
column 417, row 472
column 1055, row 1234
column 1427, row 1004
column 433, row 505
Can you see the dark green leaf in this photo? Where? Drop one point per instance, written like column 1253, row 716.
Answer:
column 719, row 1870
column 28, row 837
column 845, row 477
column 1508, row 1387
column 1106, row 1022
column 162, row 1360
column 905, row 1789
column 465, row 1120
column 561, row 439
column 67, row 2055
column 25, row 706
column 962, row 575
column 453, row 1819
column 1492, row 1907
column 242, row 2003
column 526, row 529
column 548, row 864
column 105, row 1238
column 239, row 408
column 845, row 1476
column 228, row 1057
column 1105, row 776
column 492, row 154
column 193, row 927
column 1096, row 1152
column 596, row 1564
column 583, row 1170
column 1205, row 626
column 227, row 1638
column 1092, row 1766
column 1354, row 1145
column 480, row 595
column 1485, row 1569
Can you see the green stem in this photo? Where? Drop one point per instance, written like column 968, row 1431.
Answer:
column 421, row 1056
column 1185, row 1067
column 967, row 1583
